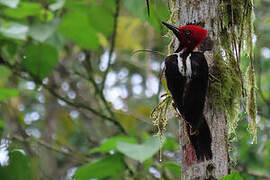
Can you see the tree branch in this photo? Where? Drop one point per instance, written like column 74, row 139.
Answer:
column 80, row 158
column 148, row 7
column 257, row 174
column 112, row 42
column 149, row 51
column 98, row 90
column 16, row 70
column 83, row 106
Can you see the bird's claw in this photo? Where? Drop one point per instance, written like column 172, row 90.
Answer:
column 193, row 132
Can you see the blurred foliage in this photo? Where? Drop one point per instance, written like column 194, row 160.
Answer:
column 109, row 166
column 66, row 113
column 233, row 176
column 18, row 163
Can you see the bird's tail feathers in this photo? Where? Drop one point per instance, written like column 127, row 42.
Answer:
column 201, row 141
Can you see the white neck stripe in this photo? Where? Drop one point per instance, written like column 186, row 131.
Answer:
column 188, row 65
column 181, row 65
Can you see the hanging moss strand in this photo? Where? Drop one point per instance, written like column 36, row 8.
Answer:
column 227, row 89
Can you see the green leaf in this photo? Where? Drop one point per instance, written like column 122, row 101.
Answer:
column 4, row 75
column 42, row 32
column 174, row 168
column 110, row 5
column 127, row 121
column 14, row 30
column 25, row 9
column 105, row 167
column 148, row 163
column 46, row 15
column 171, row 144
column 159, row 10
column 76, row 27
column 56, row 40
column 137, row 8
column 110, row 144
column 19, row 167
column 233, row 176
column 40, row 59
column 101, row 19
column 9, row 49
column 10, row 3
column 8, row 93
column 140, row 152
column 2, row 123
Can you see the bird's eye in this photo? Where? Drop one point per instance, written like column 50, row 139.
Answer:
column 187, row 32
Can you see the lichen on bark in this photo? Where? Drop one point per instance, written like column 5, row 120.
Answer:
column 236, row 38
column 251, row 102
column 225, row 90
column 159, row 114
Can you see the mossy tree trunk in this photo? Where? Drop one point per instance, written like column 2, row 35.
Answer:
column 205, row 14
column 230, row 25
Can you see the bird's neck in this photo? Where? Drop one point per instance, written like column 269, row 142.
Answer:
column 183, row 51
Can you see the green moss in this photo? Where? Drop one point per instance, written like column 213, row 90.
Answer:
column 235, row 30
column 159, row 114
column 225, row 89
column 251, row 102
column 173, row 20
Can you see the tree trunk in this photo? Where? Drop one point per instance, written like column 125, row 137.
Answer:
column 204, row 13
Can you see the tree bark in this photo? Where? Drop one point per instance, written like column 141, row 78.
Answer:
column 205, row 14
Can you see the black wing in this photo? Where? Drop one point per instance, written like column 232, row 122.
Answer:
column 175, row 81
column 195, row 90
column 193, row 103
column 189, row 98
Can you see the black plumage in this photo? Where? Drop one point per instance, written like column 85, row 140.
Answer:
column 186, row 73
column 189, row 97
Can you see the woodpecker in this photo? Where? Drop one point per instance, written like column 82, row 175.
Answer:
column 186, row 73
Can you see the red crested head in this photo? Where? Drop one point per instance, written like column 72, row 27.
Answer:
column 190, row 36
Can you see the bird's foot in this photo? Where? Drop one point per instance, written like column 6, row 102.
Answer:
column 192, row 131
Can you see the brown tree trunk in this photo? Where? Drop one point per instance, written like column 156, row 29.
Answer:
column 204, row 13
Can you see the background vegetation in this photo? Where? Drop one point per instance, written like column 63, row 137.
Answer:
column 76, row 93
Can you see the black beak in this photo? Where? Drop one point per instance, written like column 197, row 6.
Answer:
column 173, row 28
